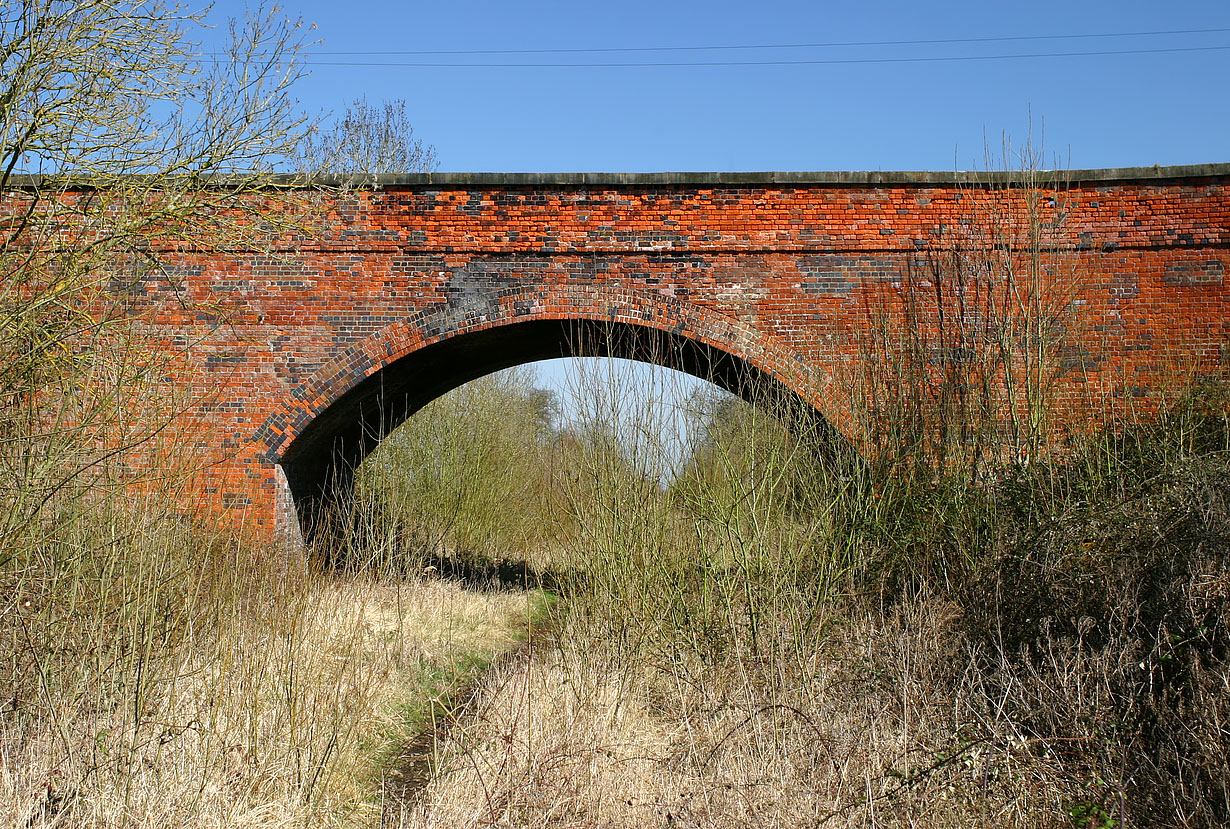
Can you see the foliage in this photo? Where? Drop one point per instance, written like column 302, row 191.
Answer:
column 117, row 96
column 132, row 634
column 466, row 478
column 1046, row 646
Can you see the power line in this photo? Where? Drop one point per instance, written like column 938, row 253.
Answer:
column 816, row 62
column 829, row 45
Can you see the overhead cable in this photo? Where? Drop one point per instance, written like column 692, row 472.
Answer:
column 803, row 62
column 826, row 45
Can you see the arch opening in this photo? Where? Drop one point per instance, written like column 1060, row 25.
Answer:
column 320, row 463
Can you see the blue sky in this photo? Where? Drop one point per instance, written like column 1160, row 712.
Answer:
column 1097, row 111
column 1109, row 110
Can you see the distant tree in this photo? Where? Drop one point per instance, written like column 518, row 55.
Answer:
column 367, row 140
column 467, row 473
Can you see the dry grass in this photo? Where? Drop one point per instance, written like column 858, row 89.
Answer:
column 269, row 721
column 558, row 739
column 894, row 718
column 878, row 731
column 1046, row 648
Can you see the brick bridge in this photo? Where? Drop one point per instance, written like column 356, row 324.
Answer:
column 406, row 291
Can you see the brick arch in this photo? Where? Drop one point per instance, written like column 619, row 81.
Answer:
column 335, row 418
column 288, row 345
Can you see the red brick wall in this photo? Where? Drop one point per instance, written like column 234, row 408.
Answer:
column 787, row 275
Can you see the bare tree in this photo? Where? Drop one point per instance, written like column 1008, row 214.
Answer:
column 121, row 135
column 366, row 141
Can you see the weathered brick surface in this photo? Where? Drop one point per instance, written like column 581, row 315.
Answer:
column 783, row 275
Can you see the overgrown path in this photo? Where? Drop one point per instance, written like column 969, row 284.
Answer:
column 458, row 632
column 411, row 769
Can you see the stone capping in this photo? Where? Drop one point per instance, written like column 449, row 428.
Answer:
column 432, row 181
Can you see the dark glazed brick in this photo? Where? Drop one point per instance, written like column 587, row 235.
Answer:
column 1209, row 272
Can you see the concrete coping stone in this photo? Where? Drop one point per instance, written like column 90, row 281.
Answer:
column 683, row 179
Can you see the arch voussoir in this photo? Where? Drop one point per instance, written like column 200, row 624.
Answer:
column 431, row 326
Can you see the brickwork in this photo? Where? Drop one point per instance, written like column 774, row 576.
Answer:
column 381, row 300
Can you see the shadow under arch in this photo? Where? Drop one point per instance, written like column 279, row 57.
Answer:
column 360, row 398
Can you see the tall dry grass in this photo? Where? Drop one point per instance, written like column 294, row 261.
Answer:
column 157, row 671
column 790, row 646
column 970, row 617
column 170, row 679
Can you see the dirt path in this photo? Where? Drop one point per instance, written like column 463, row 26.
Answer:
column 413, row 768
